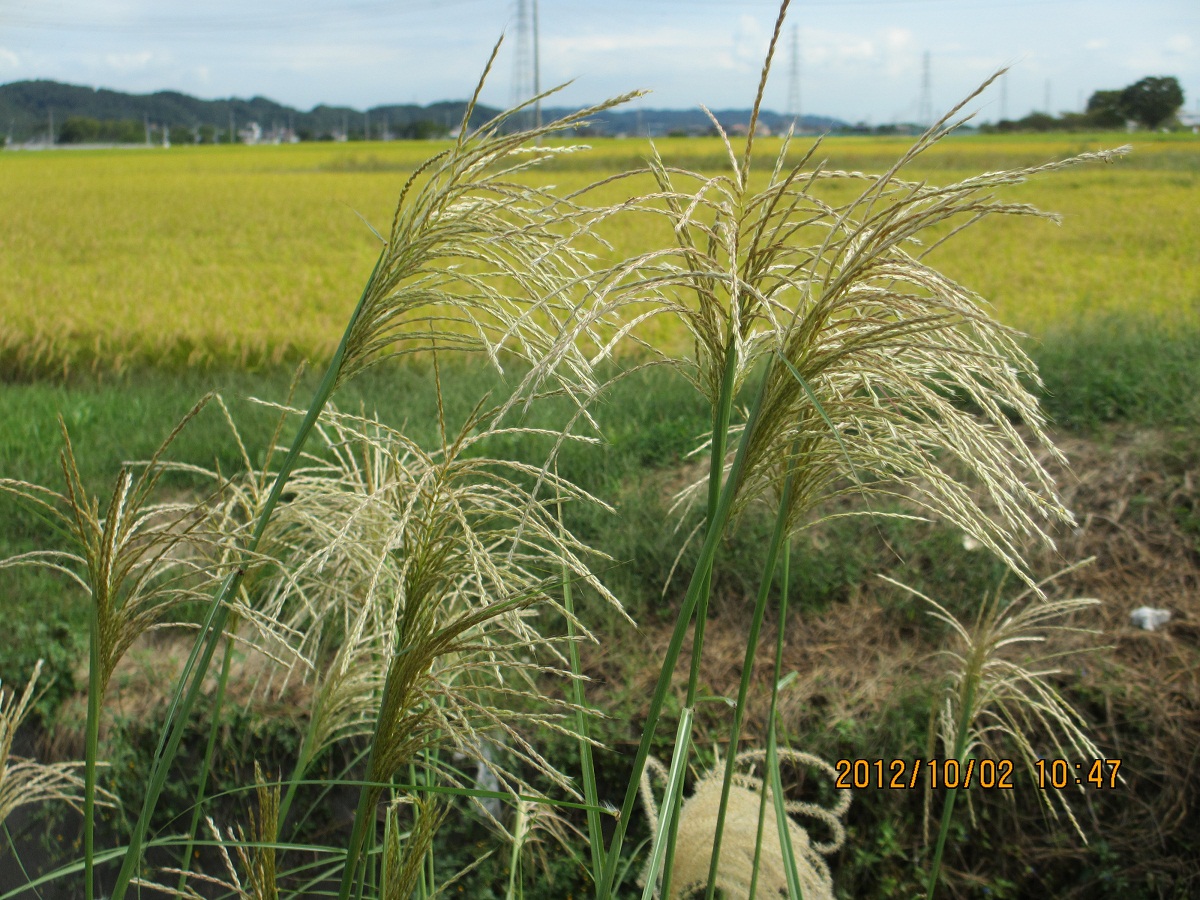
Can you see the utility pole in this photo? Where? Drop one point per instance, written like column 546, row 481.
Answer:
column 925, row 105
column 51, row 127
column 793, row 107
column 1004, row 97
column 146, row 123
column 232, row 133
column 1047, row 98
column 367, row 125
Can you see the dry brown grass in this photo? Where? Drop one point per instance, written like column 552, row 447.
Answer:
column 140, row 689
column 1136, row 496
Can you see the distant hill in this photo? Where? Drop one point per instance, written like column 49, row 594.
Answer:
column 657, row 122
column 27, row 109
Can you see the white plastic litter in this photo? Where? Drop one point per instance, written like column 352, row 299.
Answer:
column 1149, row 618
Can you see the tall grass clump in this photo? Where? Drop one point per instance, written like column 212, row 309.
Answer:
column 124, row 558
column 416, row 588
column 835, row 361
column 474, row 260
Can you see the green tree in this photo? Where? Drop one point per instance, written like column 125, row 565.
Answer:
column 1038, row 121
column 1105, row 111
column 1152, row 101
column 78, row 130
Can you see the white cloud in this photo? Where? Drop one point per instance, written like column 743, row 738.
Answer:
column 129, row 62
column 1096, row 44
column 750, row 42
column 1180, row 43
column 317, row 57
column 576, row 45
column 898, row 39
column 8, row 59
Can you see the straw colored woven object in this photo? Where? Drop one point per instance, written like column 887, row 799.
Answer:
column 697, row 826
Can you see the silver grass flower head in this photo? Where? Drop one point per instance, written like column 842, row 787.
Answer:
column 1001, row 663
column 136, row 560
column 402, row 581
column 477, row 260
column 882, row 376
column 26, row 781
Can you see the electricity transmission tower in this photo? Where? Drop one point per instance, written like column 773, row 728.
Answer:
column 526, row 81
column 793, row 107
column 925, row 105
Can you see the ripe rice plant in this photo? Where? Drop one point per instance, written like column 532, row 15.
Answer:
column 401, row 579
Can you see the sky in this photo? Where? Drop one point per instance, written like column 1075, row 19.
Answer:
column 858, row 60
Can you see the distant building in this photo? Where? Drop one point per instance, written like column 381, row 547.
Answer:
column 741, row 129
column 251, row 134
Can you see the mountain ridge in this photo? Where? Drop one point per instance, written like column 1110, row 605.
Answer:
column 28, row 109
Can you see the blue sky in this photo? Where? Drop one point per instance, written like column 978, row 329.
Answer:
column 859, row 59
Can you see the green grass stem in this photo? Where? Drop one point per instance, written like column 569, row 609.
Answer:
column 716, row 466
column 795, row 891
column 695, row 586
column 214, row 729
column 92, row 752
column 674, row 789
column 591, row 794
column 779, row 538
column 970, row 682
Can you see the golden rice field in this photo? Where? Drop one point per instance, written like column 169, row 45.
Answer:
column 251, row 255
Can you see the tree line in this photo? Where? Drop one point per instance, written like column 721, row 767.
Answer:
column 1152, row 102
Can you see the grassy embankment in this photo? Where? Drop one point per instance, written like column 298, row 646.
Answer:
column 148, row 278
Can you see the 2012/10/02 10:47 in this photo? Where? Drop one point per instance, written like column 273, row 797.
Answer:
column 990, row 774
